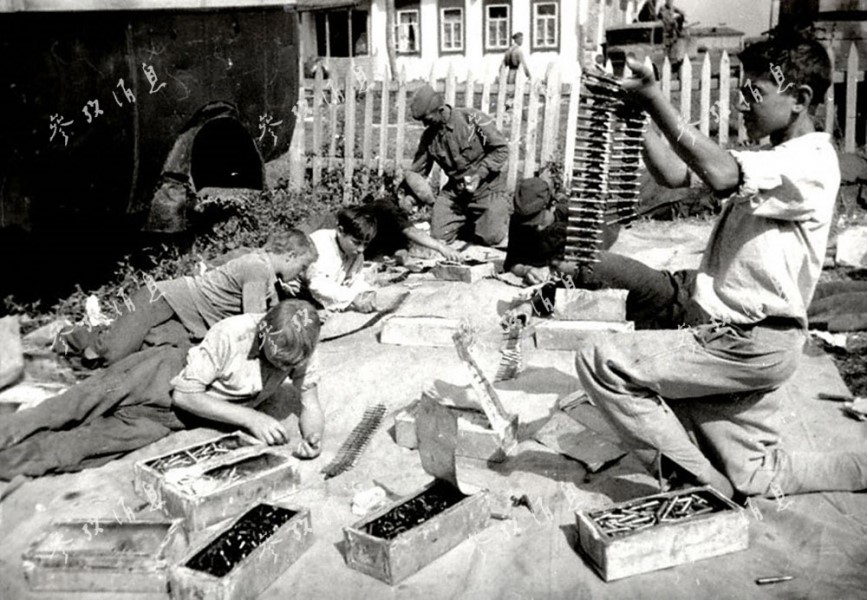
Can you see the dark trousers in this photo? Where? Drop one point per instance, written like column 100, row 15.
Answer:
column 116, row 411
column 481, row 218
column 656, row 300
column 127, row 333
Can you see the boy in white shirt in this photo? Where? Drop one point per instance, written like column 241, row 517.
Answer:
column 748, row 305
column 334, row 280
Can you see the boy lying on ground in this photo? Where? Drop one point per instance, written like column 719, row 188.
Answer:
column 142, row 398
column 247, row 284
column 699, row 396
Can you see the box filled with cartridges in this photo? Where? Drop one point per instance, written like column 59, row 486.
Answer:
column 405, row 536
column 660, row 531
column 245, row 556
column 216, row 479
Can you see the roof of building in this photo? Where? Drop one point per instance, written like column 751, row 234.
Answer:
column 718, row 31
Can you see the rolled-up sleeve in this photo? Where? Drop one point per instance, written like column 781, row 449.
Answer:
column 205, row 364
column 767, row 189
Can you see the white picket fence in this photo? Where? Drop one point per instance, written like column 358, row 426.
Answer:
column 529, row 113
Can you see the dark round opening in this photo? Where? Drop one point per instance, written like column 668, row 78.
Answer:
column 225, row 156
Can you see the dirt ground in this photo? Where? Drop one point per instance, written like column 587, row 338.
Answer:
column 817, row 538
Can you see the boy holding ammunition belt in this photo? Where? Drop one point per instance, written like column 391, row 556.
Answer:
column 747, row 306
column 142, row 398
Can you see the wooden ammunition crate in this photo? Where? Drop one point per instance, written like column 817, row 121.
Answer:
column 273, row 475
column 666, row 544
column 476, row 439
column 145, row 475
column 255, row 572
column 108, row 556
column 468, row 273
column 393, row 560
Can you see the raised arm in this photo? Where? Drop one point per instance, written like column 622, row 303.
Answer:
column 714, row 165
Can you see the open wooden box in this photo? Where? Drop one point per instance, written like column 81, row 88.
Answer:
column 662, row 544
column 222, row 489
column 108, row 556
column 243, row 558
column 149, row 473
column 379, row 546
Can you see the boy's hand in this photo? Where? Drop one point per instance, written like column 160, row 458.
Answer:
column 450, row 253
column 537, row 275
column 267, row 429
column 289, row 288
column 642, row 82
column 365, row 302
column 311, row 422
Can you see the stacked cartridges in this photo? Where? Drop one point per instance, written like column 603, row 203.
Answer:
column 605, row 172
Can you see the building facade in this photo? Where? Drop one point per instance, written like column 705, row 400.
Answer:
column 431, row 36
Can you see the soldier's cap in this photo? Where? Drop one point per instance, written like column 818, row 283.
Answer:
column 531, row 200
column 424, row 101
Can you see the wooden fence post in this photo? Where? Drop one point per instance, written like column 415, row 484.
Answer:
column 686, row 89
column 318, row 95
column 551, row 123
column 571, row 125
column 401, row 120
column 515, row 131
column 851, row 99
column 724, row 106
column 349, row 136
column 704, row 96
column 384, row 106
column 532, row 127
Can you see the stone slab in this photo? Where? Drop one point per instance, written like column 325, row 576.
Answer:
column 590, row 305
column 570, row 335
column 419, row 331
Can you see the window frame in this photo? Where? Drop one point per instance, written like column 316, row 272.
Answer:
column 442, row 48
column 397, row 25
column 535, row 45
column 489, row 49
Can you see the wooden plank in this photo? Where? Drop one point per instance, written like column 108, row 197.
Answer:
column 336, row 102
column 501, row 98
column 318, row 91
column 515, row 130
column 486, row 96
column 451, row 86
column 470, row 87
column 830, row 108
column 686, row 89
column 551, row 123
column 742, row 130
column 298, row 165
column 704, row 95
column 384, row 107
column 851, row 100
column 666, row 79
column 571, row 125
column 724, row 106
column 367, row 134
column 348, row 135
column 532, row 127
column 401, row 119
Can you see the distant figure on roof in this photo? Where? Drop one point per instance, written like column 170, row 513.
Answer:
column 513, row 59
column 672, row 30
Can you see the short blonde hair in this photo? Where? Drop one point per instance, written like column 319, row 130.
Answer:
column 292, row 329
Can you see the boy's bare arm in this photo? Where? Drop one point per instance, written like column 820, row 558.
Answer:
column 423, row 239
column 712, row 164
column 664, row 165
column 253, row 297
column 262, row 426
